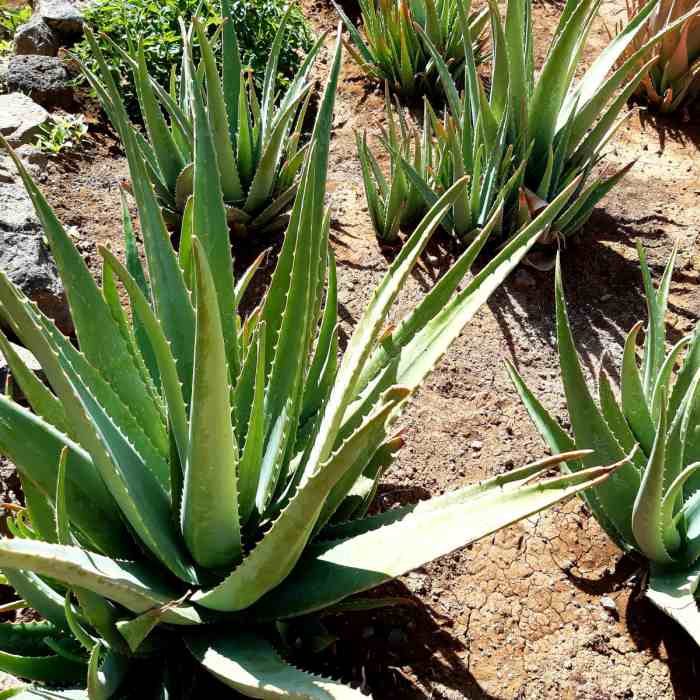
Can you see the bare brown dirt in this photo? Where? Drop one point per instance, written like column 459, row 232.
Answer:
column 549, row 608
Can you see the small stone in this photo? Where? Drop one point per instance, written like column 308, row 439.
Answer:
column 20, row 118
column 36, row 38
column 63, row 17
column 608, row 604
column 524, row 280
column 476, row 445
column 43, row 78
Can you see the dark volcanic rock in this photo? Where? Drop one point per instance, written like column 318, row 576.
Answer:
column 36, row 38
column 26, row 259
column 43, row 78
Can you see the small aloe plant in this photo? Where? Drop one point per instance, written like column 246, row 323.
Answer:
column 258, row 137
column 534, row 135
column 391, row 50
column 674, row 79
column 651, row 506
column 195, row 480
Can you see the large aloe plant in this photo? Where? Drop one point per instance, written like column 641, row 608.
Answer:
column 651, row 505
column 546, row 130
column 674, row 79
column 193, row 478
column 391, row 50
column 258, row 137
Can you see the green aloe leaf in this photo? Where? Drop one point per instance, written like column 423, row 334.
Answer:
column 251, row 665
column 135, row 586
column 673, row 592
column 34, row 447
column 330, row 571
column 209, row 516
column 275, row 555
column 589, row 426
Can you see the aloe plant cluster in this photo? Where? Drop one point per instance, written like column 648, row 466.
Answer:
column 391, row 50
column 674, row 79
column 651, row 505
column 258, row 137
column 531, row 136
column 194, row 479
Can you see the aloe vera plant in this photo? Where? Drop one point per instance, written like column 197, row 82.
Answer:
column 193, row 479
column 650, row 506
column 674, row 79
column 535, row 135
column 392, row 51
column 258, row 137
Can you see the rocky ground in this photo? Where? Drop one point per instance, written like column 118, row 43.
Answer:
column 548, row 608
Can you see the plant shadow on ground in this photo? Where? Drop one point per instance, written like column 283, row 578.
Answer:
column 404, row 650
column 649, row 628
column 602, row 285
column 684, row 130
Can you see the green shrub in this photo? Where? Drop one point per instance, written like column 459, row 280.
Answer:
column 156, row 24
column 256, row 23
column 10, row 20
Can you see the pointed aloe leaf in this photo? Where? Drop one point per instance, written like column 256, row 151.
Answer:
column 231, row 68
column 554, row 81
column 133, row 265
column 589, row 427
column 135, row 586
column 170, row 294
column 315, row 171
column 559, row 441
column 106, row 671
column 673, row 592
column 249, row 664
column 218, row 121
column 39, row 397
column 247, row 276
column 137, row 629
column 270, row 79
column 432, row 341
column 39, row 595
column 165, row 362
column 370, row 325
column 251, row 459
column 647, row 515
column 209, row 517
column 615, row 418
column 654, row 342
column 276, row 554
column 52, row 669
column 263, row 183
column 99, row 334
column 170, row 161
column 209, row 224
column 428, row 308
column 330, row 571
column 635, row 404
column 26, row 638
column 662, row 382
column 34, row 447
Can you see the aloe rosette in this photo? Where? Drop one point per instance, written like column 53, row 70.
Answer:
column 534, row 133
column 258, row 137
column 391, row 50
column 194, row 480
column 651, row 505
column 674, row 79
